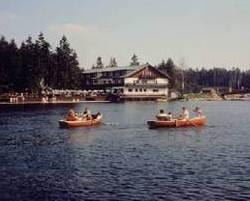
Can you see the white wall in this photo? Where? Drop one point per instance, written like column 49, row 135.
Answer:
column 148, row 92
column 132, row 80
column 162, row 80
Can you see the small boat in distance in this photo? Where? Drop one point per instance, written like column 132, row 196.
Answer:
column 175, row 123
column 96, row 120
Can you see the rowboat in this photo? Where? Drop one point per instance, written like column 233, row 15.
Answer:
column 81, row 123
column 175, row 123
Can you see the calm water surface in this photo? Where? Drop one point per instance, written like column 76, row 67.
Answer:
column 123, row 159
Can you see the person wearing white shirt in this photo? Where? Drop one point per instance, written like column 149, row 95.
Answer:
column 185, row 113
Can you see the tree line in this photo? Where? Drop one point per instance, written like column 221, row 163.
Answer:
column 195, row 79
column 35, row 65
column 113, row 63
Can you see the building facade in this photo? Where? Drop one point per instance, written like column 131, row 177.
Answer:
column 129, row 82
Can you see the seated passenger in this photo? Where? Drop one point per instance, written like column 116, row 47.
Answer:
column 87, row 114
column 170, row 116
column 184, row 114
column 162, row 116
column 198, row 112
column 72, row 116
column 95, row 116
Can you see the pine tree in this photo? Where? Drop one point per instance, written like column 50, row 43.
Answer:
column 68, row 71
column 99, row 63
column 134, row 61
column 44, row 60
column 112, row 62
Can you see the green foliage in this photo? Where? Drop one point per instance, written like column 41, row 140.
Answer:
column 195, row 79
column 216, row 77
column 112, row 62
column 99, row 63
column 134, row 61
column 35, row 66
column 170, row 69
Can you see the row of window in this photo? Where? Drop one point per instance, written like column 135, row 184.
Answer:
column 141, row 90
column 108, row 82
column 107, row 74
column 145, row 81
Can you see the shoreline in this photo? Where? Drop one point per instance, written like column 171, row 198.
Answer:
column 51, row 103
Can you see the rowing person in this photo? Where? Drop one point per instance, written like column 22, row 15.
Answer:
column 72, row 116
column 198, row 112
column 184, row 114
column 87, row 114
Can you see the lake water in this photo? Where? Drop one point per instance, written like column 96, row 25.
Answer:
column 123, row 159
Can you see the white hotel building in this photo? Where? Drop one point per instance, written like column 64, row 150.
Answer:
column 129, row 82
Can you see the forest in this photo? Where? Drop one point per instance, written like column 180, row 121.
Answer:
column 35, row 65
column 195, row 79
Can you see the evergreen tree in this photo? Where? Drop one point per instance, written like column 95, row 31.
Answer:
column 134, row 61
column 3, row 64
column 112, row 62
column 170, row 69
column 68, row 71
column 13, row 66
column 99, row 63
column 162, row 65
column 30, row 72
column 44, row 60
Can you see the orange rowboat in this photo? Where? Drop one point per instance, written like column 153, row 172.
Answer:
column 80, row 123
column 175, row 123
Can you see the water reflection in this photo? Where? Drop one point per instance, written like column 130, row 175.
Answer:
column 82, row 135
column 123, row 159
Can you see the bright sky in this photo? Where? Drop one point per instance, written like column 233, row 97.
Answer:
column 198, row 32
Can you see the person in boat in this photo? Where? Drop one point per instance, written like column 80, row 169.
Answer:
column 162, row 116
column 198, row 112
column 95, row 116
column 72, row 116
column 170, row 116
column 87, row 114
column 184, row 114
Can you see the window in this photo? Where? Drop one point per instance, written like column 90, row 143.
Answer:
column 104, row 81
column 155, row 90
column 136, row 90
column 130, row 90
column 140, row 89
column 145, row 90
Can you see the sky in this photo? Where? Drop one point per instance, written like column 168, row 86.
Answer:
column 194, row 33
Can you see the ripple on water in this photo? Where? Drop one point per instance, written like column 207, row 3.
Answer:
column 123, row 159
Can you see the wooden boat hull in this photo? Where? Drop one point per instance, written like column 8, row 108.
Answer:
column 175, row 123
column 80, row 123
